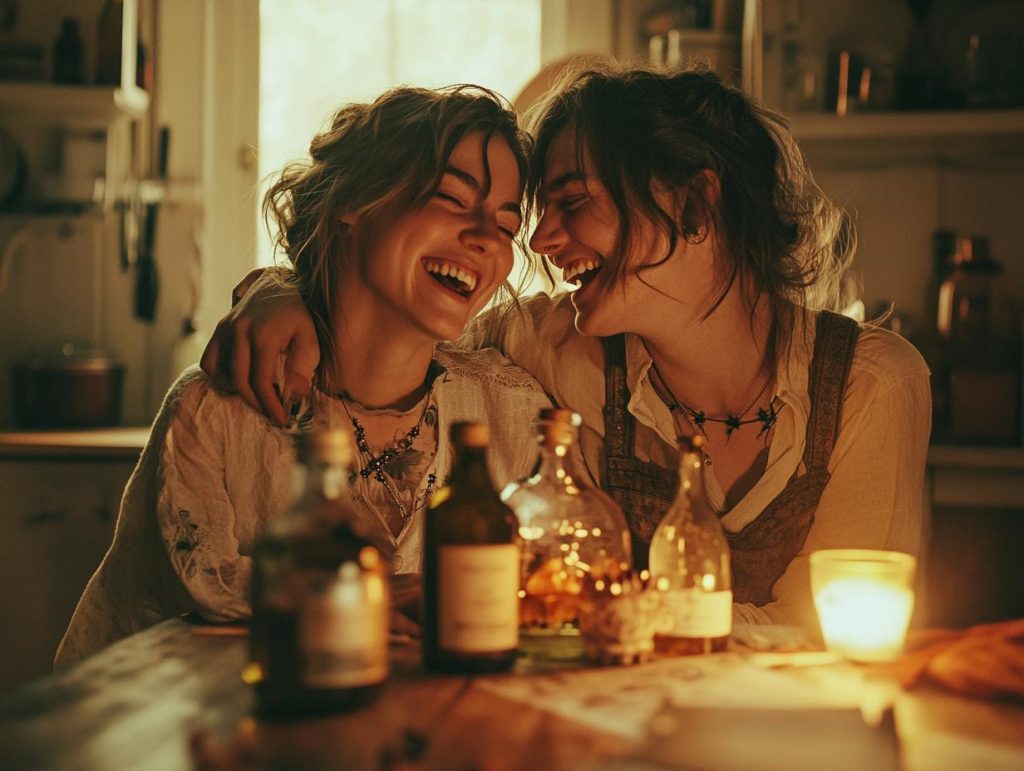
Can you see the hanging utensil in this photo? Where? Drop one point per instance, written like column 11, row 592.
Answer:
column 147, row 282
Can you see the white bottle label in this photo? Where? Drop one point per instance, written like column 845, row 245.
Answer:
column 696, row 613
column 478, row 604
column 343, row 633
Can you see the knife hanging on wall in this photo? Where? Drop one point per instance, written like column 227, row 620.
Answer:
column 147, row 280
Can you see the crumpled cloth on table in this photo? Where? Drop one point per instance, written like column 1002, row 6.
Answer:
column 985, row 661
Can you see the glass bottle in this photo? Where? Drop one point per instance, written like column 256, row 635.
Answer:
column 67, row 54
column 690, row 562
column 470, row 567
column 319, row 637
column 569, row 530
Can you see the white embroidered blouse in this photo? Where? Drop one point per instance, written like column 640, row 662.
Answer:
column 215, row 471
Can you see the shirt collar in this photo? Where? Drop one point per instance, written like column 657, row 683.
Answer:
column 792, row 366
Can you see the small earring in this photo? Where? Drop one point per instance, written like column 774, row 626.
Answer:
column 693, row 235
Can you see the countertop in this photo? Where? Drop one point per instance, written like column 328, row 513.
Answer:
column 122, row 443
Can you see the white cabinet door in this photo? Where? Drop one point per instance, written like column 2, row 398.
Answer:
column 56, row 522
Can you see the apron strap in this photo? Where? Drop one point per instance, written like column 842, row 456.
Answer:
column 834, row 345
column 619, row 428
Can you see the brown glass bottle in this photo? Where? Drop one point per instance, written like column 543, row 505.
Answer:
column 470, row 567
column 689, row 561
column 319, row 632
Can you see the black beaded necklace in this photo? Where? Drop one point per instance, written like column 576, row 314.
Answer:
column 376, row 464
column 697, row 418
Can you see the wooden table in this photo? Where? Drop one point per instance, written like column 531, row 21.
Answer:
column 136, row 705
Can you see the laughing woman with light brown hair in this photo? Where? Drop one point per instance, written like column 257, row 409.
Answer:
column 400, row 228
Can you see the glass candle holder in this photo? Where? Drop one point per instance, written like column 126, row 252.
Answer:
column 864, row 598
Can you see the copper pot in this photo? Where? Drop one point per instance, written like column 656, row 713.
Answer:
column 71, row 387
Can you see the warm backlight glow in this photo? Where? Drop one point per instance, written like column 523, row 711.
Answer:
column 864, row 600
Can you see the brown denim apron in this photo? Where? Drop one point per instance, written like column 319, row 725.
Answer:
column 764, row 548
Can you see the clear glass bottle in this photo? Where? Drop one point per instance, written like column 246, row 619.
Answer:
column 319, row 637
column 569, row 530
column 689, row 560
column 470, row 567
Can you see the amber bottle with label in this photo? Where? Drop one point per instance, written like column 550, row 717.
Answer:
column 470, row 567
column 689, row 561
column 319, row 639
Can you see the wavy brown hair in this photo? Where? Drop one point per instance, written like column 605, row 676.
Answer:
column 392, row 151
column 779, row 235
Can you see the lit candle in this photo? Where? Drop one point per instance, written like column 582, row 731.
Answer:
column 864, row 600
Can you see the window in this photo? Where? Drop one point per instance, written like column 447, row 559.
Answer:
column 319, row 54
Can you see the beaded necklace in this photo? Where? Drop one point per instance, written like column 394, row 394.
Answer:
column 376, row 464
column 697, row 418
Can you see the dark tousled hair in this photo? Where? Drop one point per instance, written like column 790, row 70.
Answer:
column 780, row 235
column 392, row 151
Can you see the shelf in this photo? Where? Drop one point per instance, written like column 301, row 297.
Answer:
column 971, row 457
column 91, row 104
column 900, row 125
column 891, row 138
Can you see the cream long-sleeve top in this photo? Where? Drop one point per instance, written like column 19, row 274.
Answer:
column 214, row 472
column 874, row 498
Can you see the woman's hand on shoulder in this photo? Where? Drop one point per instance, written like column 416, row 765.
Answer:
column 268, row 320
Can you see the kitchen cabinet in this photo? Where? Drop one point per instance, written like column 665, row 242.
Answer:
column 59, row 498
column 974, row 566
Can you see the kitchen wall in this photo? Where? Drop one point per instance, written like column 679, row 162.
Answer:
column 60, row 277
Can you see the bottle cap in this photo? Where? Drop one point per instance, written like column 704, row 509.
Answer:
column 690, row 443
column 470, row 434
column 560, row 415
column 332, row 446
column 557, row 426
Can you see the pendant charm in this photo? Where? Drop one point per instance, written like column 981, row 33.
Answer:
column 767, row 418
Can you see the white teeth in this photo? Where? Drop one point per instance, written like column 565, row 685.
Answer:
column 578, row 268
column 454, row 271
column 466, row 278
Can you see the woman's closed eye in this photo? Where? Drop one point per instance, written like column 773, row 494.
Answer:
column 451, row 198
column 571, row 203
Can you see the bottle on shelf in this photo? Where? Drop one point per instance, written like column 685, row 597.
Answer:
column 689, row 561
column 470, row 567
column 67, row 54
column 319, row 638
column 569, row 531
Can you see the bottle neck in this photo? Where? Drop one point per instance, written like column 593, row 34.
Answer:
column 691, row 477
column 470, row 469
column 552, row 460
column 316, row 482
